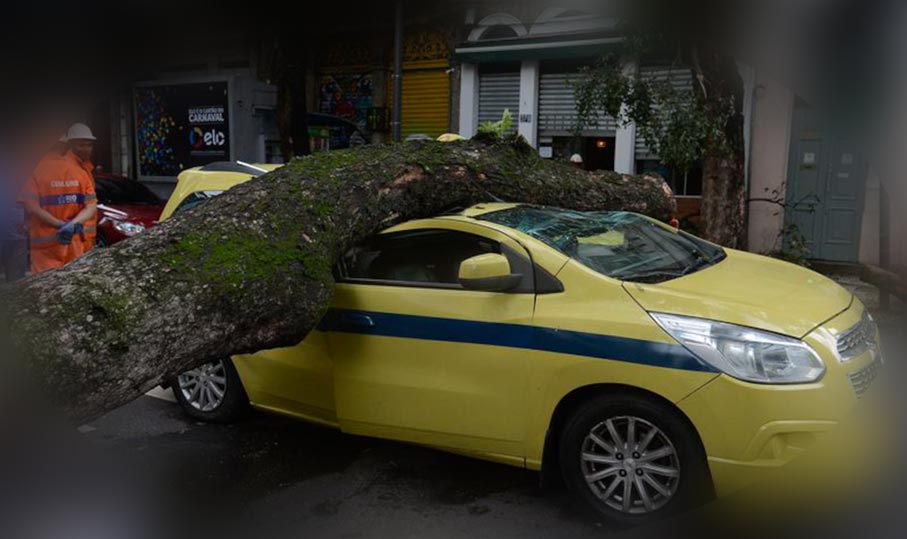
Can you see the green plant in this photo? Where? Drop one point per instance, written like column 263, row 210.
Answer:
column 679, row 125
column 794, row 248
column 500, row 128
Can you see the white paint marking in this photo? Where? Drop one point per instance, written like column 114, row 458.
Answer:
column 162, row 394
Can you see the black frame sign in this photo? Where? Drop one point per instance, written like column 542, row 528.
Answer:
column 180, row 126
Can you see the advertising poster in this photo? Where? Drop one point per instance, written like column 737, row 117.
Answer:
column 180, row 126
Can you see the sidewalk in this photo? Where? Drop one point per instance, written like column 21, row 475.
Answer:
column 869, row 295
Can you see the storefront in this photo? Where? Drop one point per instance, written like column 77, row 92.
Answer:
column 530, row 69
column 355, row 84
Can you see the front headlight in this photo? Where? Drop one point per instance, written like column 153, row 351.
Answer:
column 130, row 229
column 745, row 353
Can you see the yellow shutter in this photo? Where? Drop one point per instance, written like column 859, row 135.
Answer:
column 426, row 102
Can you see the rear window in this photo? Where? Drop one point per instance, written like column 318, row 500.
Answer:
column 196, row 199
column 124, row 191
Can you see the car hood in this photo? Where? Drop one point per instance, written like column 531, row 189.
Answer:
column 749, row 290
column 145, row 214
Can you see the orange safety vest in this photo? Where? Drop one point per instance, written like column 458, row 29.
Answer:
column 91, row 225
column 63, row 189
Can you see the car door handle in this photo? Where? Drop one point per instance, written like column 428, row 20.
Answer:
column 357, row 320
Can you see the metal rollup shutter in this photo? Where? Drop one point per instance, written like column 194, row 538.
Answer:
column 681, row 79
column 426, row 103
column 497, row 92
column 557, row 108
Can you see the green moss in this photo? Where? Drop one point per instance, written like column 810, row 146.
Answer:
column 224, row 260
column 228, row 262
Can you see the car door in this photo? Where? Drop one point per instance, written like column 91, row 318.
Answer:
column 419, row 358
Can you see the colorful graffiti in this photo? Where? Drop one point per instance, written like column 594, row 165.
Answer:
column 154, row 133
column 349, row 96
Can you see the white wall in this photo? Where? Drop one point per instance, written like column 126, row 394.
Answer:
column 869, row 235
column 770, row 146
column 469, row 100
column 529, row 102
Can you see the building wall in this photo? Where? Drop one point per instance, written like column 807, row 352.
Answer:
column 869, row 235
column 770, row 154
column 770, row 147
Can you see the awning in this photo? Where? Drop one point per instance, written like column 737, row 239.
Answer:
column 551, row 47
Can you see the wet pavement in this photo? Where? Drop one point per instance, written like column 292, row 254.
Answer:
column 287, row 477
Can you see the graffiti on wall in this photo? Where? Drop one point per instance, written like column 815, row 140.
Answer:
column 349, row 96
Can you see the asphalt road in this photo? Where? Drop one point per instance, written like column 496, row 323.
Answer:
column 286, row 476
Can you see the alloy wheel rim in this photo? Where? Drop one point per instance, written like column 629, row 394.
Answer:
column 204, row 388
column 630, row 465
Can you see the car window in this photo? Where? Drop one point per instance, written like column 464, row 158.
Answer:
column 124, row 192
column 196, row 199
column 426, row 258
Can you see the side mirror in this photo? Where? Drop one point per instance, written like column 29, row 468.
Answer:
column 488, row 273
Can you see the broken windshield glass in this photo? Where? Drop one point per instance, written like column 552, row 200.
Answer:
column 622, row 245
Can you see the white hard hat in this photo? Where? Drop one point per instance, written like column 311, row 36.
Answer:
column 576, row 158
column 78, row 132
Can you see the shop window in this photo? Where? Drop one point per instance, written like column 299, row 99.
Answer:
column 684, row 184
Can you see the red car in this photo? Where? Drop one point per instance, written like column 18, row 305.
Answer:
column 125, row 208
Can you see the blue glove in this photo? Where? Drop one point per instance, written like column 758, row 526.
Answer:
column 65, row 233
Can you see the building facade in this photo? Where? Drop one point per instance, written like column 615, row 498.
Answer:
column 809, row 188
column 813, row 190
column 527, row 61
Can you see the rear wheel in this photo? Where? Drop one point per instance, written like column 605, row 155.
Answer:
column 632, row 459
column 212, row 392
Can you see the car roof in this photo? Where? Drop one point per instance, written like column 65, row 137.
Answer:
column 218, row 179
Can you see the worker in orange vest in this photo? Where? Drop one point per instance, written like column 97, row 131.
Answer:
column 61, row 204
column 81, row 150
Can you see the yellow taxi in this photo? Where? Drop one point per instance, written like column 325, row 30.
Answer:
column 649, row 368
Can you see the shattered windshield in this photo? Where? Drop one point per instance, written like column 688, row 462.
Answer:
column 622, row 245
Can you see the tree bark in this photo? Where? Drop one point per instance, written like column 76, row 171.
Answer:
column 724, row 166
column 252, row 269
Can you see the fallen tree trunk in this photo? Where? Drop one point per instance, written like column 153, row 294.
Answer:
column 251, row 270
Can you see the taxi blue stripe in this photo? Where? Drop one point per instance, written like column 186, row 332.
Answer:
column 656, row 354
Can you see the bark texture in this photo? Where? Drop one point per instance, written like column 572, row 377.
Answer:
column 252, row 269
column 724, row 164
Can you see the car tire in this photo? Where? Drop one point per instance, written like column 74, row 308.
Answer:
column 101, row 242
column 212, row 393
column 666, row 459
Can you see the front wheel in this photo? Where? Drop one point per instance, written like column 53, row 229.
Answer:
column 633, row 459
column 212, row 392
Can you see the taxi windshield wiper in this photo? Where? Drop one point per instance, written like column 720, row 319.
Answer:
column 657, row 276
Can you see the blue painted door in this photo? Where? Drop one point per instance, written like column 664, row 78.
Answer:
column 826, row 188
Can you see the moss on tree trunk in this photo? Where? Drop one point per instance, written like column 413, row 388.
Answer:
column 251, row 269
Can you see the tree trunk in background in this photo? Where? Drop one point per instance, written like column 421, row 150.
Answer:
column 724, row 168
column 252, row 269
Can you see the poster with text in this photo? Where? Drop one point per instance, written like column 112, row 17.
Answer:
column 180, row 126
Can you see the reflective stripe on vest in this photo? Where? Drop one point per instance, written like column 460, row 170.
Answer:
column 62, row 200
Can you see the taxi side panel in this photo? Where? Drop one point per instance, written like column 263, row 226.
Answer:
column 296, row 381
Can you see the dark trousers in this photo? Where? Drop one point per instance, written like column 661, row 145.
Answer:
column 14, row 259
